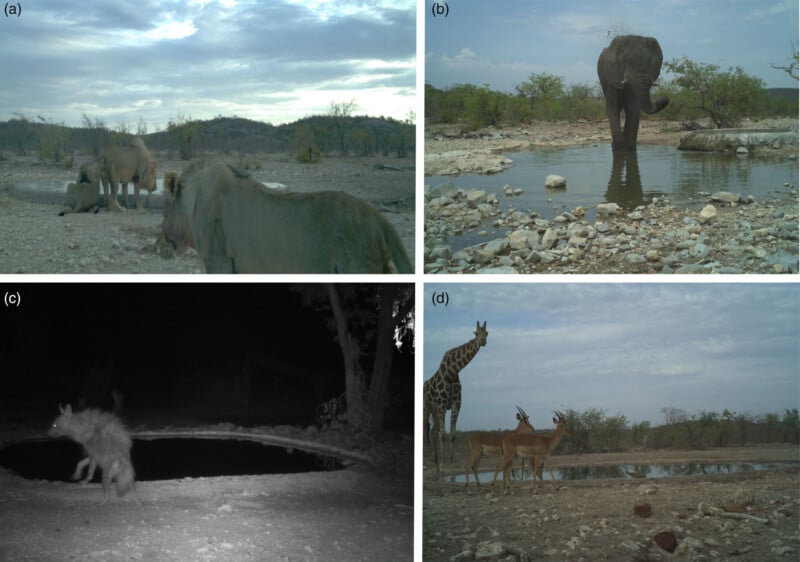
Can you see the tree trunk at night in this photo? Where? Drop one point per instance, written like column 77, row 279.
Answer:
column 366, row 408
column 357, row 412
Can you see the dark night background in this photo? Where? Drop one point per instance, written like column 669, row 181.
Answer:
column 245, row 353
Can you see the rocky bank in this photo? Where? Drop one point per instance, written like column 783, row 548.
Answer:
column 723, row 233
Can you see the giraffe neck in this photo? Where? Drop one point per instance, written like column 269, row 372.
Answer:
column 457, row 358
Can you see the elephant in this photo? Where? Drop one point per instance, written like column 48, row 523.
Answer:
column 627, row 69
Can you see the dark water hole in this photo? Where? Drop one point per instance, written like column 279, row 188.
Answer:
column 595, row 175
column 165, row 459
column 632, row 471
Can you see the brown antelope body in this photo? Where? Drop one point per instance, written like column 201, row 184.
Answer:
column 491, row 443
column 530, row 445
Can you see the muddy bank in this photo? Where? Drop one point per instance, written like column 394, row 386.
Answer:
column 595, row 520
column 34, row 239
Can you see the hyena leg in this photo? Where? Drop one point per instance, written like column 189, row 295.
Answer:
column 79, row 470
column 108, row 474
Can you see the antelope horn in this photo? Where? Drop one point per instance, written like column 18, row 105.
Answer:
column 522, row 412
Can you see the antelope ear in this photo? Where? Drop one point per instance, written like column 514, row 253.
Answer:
column 519, row 417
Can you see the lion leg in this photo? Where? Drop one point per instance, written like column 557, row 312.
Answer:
column 125, row 195
column 136, row 195
column 112, row 200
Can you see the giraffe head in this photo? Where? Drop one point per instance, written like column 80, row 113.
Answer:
column 481, row 333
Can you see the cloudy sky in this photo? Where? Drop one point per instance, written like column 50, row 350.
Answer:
column 630, row 348
column 501, row 44
column 275, row 61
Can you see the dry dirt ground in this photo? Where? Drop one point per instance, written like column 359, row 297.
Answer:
column 595, row 520
column 356, row 514
column 34, row 239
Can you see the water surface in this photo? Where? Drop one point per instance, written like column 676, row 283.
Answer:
column 595, row 175
column 632, row 471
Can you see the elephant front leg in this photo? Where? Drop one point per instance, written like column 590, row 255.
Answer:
column 616, row 127
column 631, row 130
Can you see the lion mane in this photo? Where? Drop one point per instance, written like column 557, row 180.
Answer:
column 123, row 164
column 238, row 225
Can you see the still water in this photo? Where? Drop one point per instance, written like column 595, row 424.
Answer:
column 595, row 175
column 603, row 472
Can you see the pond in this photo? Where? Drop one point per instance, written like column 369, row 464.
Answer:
column 159, row 459
column 595, row 175
column 620, row 471
column 53, row 191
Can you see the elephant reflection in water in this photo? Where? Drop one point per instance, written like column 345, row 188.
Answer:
column 627, row 69
column 625, row 183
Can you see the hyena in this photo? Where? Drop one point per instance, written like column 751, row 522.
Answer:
column 107, row 444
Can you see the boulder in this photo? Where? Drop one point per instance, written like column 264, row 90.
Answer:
column 555, row 182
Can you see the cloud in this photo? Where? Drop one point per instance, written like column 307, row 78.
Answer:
column 633, row 348
column 196, row 58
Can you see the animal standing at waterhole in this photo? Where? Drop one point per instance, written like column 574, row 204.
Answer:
column 238, row 225
column 627, row 69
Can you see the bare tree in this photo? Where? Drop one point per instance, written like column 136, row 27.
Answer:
column 340, row 113
column 791, row 70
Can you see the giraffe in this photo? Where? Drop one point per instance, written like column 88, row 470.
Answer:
column 442, row 392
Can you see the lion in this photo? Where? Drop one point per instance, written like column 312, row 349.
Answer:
column 82, row 196
column 238, row 225
column 123, row 164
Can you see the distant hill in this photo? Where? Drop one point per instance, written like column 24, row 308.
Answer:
column 783, row 93
column 330, row 136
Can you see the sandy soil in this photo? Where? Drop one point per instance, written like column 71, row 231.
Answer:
column 33, row 239
column 361, row 513
column 595, row 520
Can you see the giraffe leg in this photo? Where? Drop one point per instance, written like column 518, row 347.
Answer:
column 426, row 414
column 453, row 419
column 438, row 447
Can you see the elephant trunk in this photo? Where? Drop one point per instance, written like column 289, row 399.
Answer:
column 644, row 82
column 655, row 107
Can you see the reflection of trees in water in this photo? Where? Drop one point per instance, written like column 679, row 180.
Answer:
column 590, row 472
column 696, row 171
column 620, row 471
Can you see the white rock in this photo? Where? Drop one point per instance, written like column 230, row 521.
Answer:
column 549, row 239
column 708, row 213
column 555, row 182
column 607, row 208
column 726, row 197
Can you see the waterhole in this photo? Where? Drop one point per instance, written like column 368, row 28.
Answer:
column 633, row 471
column 595, row 175
column 166, row 459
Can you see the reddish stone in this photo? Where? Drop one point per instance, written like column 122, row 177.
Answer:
column 643, row 509
column 666, row 540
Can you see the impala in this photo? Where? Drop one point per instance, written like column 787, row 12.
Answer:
column 491, row 443
column 530, row 445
